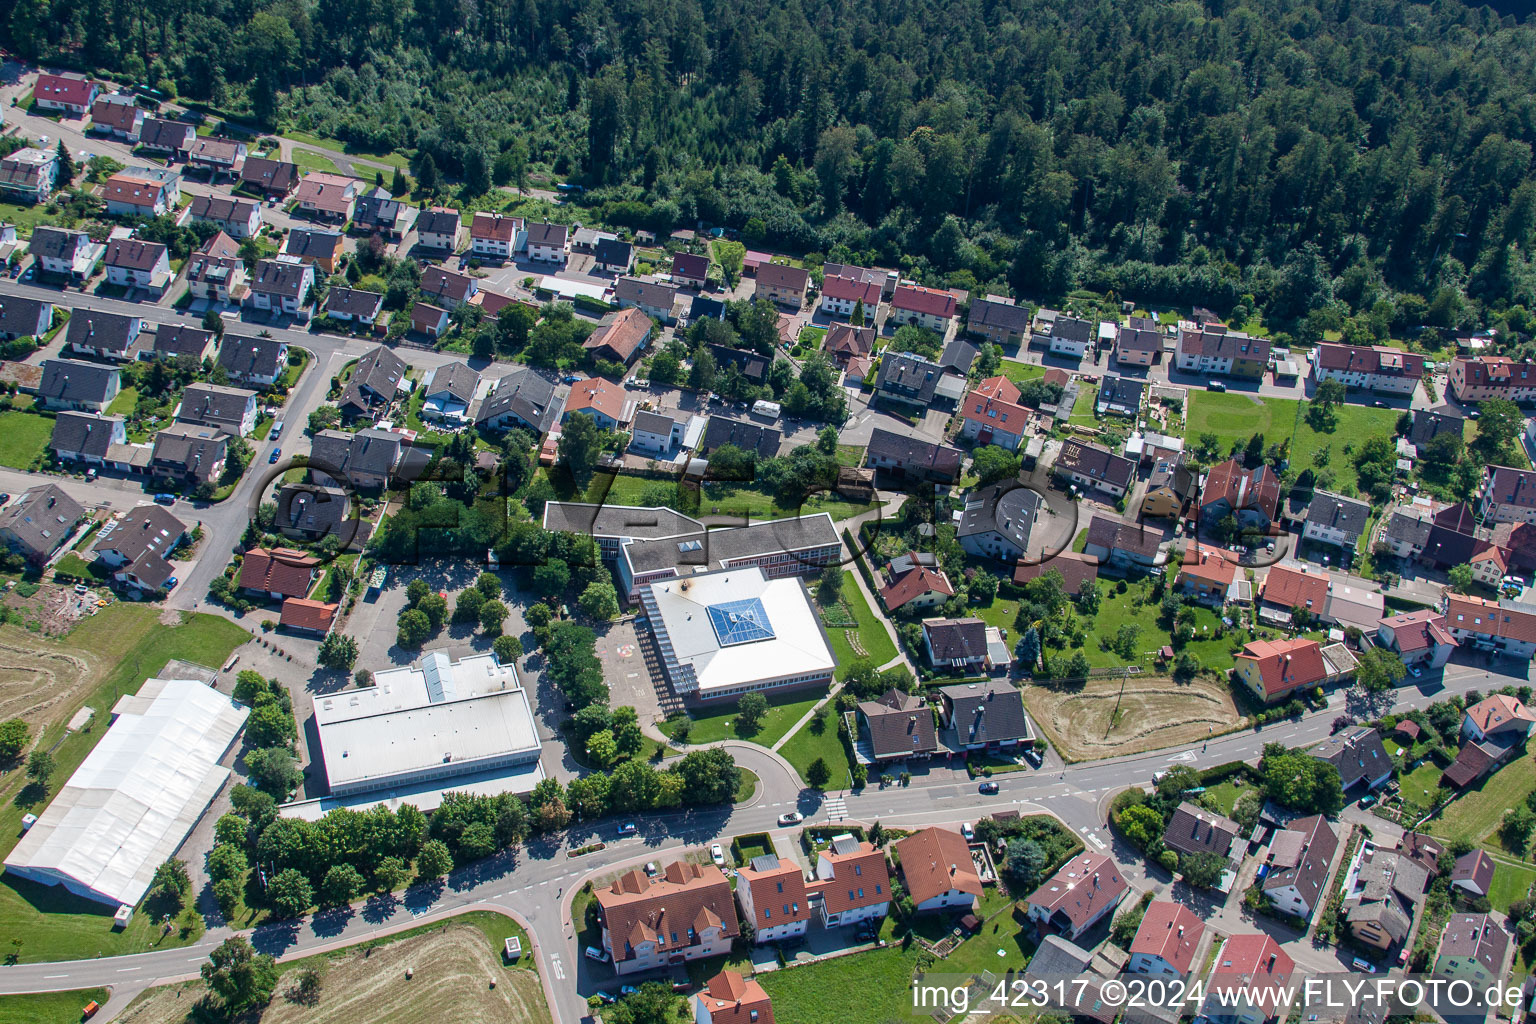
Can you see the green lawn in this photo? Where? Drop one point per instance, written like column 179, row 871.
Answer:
column 1475, row 815
column 716, row 498
column 309, row 161
column 1020, row 372
column 851, row 455
column 746, row 784
column 1004, row 933
column 1510, row 883
column 73, row 565
column 806, row 745
column 859, row 989
column 784, row 710
column 48, row 1007
column 392, row 159
column 1082, row 409
column 1419, row 785
column 123, row 404
column 1002, row 612
column 871, row 632
column 1225, row 795
column 752, row 845
column 1237, row 417
column 53, row 924
column 23, row 438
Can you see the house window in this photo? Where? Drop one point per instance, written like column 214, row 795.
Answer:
column 767, row 914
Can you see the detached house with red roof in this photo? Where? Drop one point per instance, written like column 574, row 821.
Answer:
column 915, row 585
column 71, row 94
column 844, row 342
column 606, row 403
column 1252, row 973
column 685, row 913
column 279, row 573
column 621, row 337
column 1374, row 368
column 773, row 897
column 1078, row 896
column 1211, row 348
column 991, row 414
column 690, row 270
column 922, row 307
column 1502, row 627
column 852, row 881
column 1418, row 637
column 1209, row 576
column 937, row 869
column 330, row 197
column 1289, row 589
column 1252, row 496
column 142, row 192
column 1165, row 943
column 728, row 998
column 1479, row 378
column 494, row 237
column 305, row 616
column 1275, row 669
column 118, row 115
column 781, row 284
column 841, row 295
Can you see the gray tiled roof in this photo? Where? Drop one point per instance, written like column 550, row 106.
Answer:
column 525, row 395
column 179, row 340
column 56, row 243
column 958, row 355
column 367, row 452
column 753, row 438
column 251, row 357
column 107, row 332
column 191, row 450
column 144, row 530
column 40, row 520
column 83, row 433
column 986, row 313
column 352, row 302
column 1193, row 829
column 986, row 712
column 279, row 277
column 909, row 375
column 1008, row 507
column 456, row 378
column 20, row 316
column 778, row 536
column 1357, row 753
column 214, row 406
column 1338, row 512
column 956, row 639
column 939, row 460
column 71, row 380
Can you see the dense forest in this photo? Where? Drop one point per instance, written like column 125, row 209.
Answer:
column 1313, row 161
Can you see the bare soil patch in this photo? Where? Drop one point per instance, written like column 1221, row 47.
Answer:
column 452, row 971
column 1106, row 718
column 39, row 680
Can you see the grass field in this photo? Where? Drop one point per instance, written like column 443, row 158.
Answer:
column 124, row 402
column 392, row 159
column 1225, row 794
column 48, row 1007
column 872, row 636
column 1020, row 372
column 116, row 650
column 309, row 161
column 1237, row 417
column 784, row 711
column 1510, row 883
column 1419, row 785
column 862, row 989
column 1082, row 409
column 806, row 745
column 1005, row 934
column 1475, row 815
column 746, row 784
column 23, row 437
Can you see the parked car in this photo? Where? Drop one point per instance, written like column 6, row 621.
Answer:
column 627, row 829
column 967, row 831
column 987, row 787
column 597, row 953
column 1415, row 671
column 791, row 818
column 1367, row 800
column 165, row 499
column 627, row 990
column 1364, row 965
column 717, row 855
column 277, row 430
column 90, row 474
column 606, row 998
column 277, row 453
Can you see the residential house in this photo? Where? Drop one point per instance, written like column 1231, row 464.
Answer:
column 1473, row 873
column 1078, row 896
column 429, row 320
column 377, row 378
column 998, row 320
column 28, row 175
column 117, row 115
column 782, row 284
column 751, row 365
column 1418, row 637
column 86, row 437
column 613, row 256
column 728, row 998
column 253, row 362
column 840, row 296
column 937, row 870
column 102, row 335
column 142, row 192
column 138, row 547
column 1502, row 627
column 1121, row 544
column 1479, row 378
column 187, row 455
column 172, row 139
column 1508, row 495
column 1119, row 396
column 330, row 197
column 857, row 370
column 652, row 298
column 232, row 410
column 1138, row 346
column 929, row 308
column 439, row 229
column 1335, row 519
column 607, row 403
column 72, row 384
column 1358, row 754
column 278, row 573
column 270, row 177
column 1092, row 467
column 280, row 286
column 853, row 882
column 65, row 254
column 546, row 243
column 1209, row 576
column 238, row 218
column 366, row 460
column 773, row 898
column 218, row 279
column 305, row 616
column 1474, row 949
column 1273, row 670
column 1453, row 537
column 1288, row 589
column 1381, row 896
column 1491, row 731
column 1406, row 530
column 24, row 318
column 1373, row 368
column 998, row 519
column 685, row 913
column 132, row 263
column 1423, row 850
column 1251, row 496
column 1212, row 349
column 354, row 306
column 956, row 645
column 494, row 237
column 1300, row 856
column 907, row 456
column 909, row 379
column 317, row 248
column 312, row 511
column 757, row 440
column 918, row 588
column 897, row 726
column 1171, row 490
column 1076, row 570
column 378, row 213
column 447, row 392
column 1249, row 982
column 844, row 342
column 38, row 522
column 522, row 398
column 1194, row 830
column 988, row 715
column 991, row 414
column 1062, row 335
column 217, row 156
column 71, row 94
column 690, row 270
column 447, row 288
column 1166, row 940
column 655, row 432
column 621, row 337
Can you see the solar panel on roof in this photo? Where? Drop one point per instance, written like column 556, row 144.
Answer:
column 740, row 622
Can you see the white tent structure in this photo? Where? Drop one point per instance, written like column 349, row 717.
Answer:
column 136, row 796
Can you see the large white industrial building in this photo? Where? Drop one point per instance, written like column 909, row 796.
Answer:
column 133, row 800
column 722, row 634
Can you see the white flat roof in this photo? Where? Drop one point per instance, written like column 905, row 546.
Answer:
column 136, row 796
column 568, row 289
column 796, row 646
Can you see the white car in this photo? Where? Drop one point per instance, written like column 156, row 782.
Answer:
column 717, row 855
column 791, row 818
column 1415, row 671
column 967, row 831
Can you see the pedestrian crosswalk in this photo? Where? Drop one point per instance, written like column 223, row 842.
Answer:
column 836, row 808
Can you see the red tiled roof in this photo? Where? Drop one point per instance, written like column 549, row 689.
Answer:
column 930, row 301
column 690, row 265
column 1494, row 371
column 1285, row 664
column 846, row 288
column 935, row 861
column 300, row 613
column 278, row 571
column 1257, row 488
column 778, row 895
column 1377, row 359
column 1475, row 615
column 995, row 412
column 1253, row 963
column 596, row 393
column 1417, row 631
column 425, row 316
column 863, row 869
column 732, row 999
column 1170, row 931
column 914, row 584
column 625, row 332
column 135, row 191
column 1081, row 888
column 494, row 225
column 638, row 909
column 998, row 387
column 1075, row 570
column 1295, row 588
column 63, row 89
column 1494, row 712
column 332, row 193
column 845, row 339
column 1211, row 566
